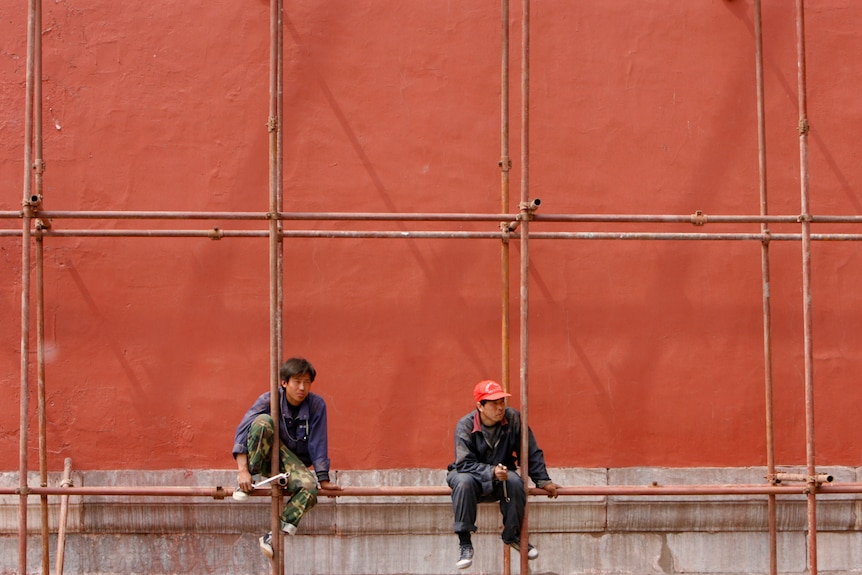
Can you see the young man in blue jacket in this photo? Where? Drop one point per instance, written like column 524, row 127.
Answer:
column 487, row 451
column 304, row 444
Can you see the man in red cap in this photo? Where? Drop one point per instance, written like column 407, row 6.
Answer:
column 487, row 452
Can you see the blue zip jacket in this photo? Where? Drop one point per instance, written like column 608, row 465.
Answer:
column 305, row 435
column 474, row 455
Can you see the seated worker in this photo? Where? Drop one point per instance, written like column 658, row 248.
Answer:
column 304, row 444
column 487, row 451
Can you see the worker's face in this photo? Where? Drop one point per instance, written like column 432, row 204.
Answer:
column 297, row 388
column 492, row 412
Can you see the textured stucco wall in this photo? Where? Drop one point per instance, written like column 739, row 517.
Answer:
column 641, row 353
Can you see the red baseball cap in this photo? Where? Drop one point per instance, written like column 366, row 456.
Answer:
column 489, row 390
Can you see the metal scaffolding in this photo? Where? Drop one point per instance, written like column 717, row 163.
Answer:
column 517, row 225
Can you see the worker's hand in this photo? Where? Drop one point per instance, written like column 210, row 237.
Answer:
column 330, row 486
column 551, row 488
column 501, row 472
column 243, row 479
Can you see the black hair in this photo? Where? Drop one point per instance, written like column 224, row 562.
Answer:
column 296, row 366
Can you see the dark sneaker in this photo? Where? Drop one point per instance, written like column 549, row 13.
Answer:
column 532, row 552
column 266, row 544
column 466, row 556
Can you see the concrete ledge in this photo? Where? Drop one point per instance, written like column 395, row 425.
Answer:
column 715, row 535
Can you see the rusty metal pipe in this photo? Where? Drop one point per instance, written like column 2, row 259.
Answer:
column 27, row 216
column 505, row 167
column 525, row 269
column 38, row 170
column 24, row 400
column 279, row 182
column 40, row 377
column 698, row 220
column 621, row 490
column 799, row 477
column 598, row 490
column 833, row 488
column 64, row 513
column 216, row 492
column 771, row 505
column 218, row 234
column 219, row 492
column 688, row 236
column 806, row 287
column 807, row 307
column 434, row 216
column 275, row 280
column 259, row 216
column 505, row 270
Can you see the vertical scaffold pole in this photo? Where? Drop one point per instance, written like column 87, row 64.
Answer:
column 275, row 284
column 525, row 267
column 27, row 217
column 766, row 288
column 805, row 222
column 505, row 272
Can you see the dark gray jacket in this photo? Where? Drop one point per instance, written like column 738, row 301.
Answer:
column 474, row 455
column 305, row 435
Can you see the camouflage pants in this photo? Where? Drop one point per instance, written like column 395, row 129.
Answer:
column 302, row 483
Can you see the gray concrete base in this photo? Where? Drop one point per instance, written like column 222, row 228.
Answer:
column 636, row 535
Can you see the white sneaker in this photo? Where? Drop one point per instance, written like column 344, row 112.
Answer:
column 266, row 544
column 266, row 540
column 532, row 552
column 239, row 494
column 465, row 558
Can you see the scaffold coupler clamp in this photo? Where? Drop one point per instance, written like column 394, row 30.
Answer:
column 529, row 208
column 31, row 204
column 698, row 218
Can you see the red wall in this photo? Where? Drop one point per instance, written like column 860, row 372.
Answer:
column 641, row 353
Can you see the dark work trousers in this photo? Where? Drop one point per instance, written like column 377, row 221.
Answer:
column 467, row 494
